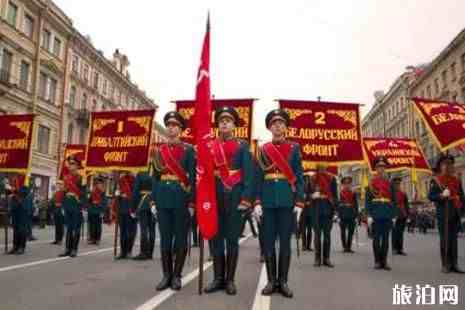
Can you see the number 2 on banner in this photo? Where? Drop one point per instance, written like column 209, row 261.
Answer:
column 320, row 118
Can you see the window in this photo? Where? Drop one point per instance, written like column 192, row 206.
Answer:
column 57, row 47
column 453, row 71
column 5, row 65
column 436, row 86
column 72, row 96
column 105, row 85
column 82, row 135
column 12, row 14
column 95, row 81
column 428, row 92
column 43, row 85
column 454, row 97
column 43, row 139
column 85, row 73
column 52, row 90
column 70, row 133
column 422, row 94
column 94, row 105
column 75, row 64
column 46, row 36
column 444, row 79
column 24, row 75
column 29, row 26
column 84, row 101
column 463, row 64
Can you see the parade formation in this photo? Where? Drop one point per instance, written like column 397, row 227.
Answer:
column 223, row 177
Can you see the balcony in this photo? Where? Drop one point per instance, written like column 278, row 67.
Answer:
column 82, row 116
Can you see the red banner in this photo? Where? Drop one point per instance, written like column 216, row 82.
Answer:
column 401, row 153
column 244, row 108
column 119, row 140
column 327, row 132
column 15, row 142
column 444, row 120
column 79, row 150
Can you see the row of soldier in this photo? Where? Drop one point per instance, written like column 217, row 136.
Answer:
column 270, row 187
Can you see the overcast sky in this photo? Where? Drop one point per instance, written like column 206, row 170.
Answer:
column 339, row 50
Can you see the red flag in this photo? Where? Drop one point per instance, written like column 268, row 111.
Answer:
column 205, row 195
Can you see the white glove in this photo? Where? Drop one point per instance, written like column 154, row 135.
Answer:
column 316, row 195
column 298, row 212
column 153, row 209
column 336, row 219
column 117, row 192
column 394, row 220
column 257, row 212
column 133, row 215
column 370, row 221
column 463, row 220
column 446, row 193
column 8, row 186
column 242, row 207
column 191, row 211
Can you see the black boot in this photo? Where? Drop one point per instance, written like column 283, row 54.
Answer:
column 231, row 265
column 218, row 274
column 75, row 243
column 123, row 250
column 21, row 244
column 270, row 287
column 176, row 283
column 283, row 271
column 167, row 266
column 15, row 244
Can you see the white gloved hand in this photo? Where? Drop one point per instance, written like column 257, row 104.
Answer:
column 336, row 219
column 257, row 212
column 8, row 186
column 463, row 220
column 242, row 207
column 191, row 211
column 117, row 192
column 370, row 221
column 394, row 220
column 298, row 212
column 153, row 209
column 316, row 195
column 446, row 193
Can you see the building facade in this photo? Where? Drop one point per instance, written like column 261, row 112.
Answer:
column 48, row 68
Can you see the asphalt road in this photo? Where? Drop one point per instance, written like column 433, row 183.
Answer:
column 39, row 280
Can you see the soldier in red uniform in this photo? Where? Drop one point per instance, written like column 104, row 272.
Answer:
column 348, row 213
column 126, row 215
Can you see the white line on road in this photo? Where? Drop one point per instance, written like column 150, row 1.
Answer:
column 164, row 295
column 261, row 302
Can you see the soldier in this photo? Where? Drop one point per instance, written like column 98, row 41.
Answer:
column 380, row 204
column 404, row 213
column 126, row 214
column 281, row 193
column 234, row 191
column 173, row 194
column 142, row 200
column 348, row 213
column 20, row 204
column 97, row 207
column 307, row 217
column 56, row 205
column 73, row 201
column 446, row 193
column 323, row 195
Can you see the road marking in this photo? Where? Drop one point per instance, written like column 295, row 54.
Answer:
column 158, row 299
column 51, row 260
column 261, row 302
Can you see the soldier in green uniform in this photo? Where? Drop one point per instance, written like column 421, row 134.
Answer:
column 404, row 212
column 126, row 214
column 348, row 213
column 307, row 217
column 97, row 208
column 173, row 186
column 19, row 204
column 142, row 201
column 75, row 198
column 382, row 212
column 281, row 193
column 324, row 202
column 56, row 205
column 446, row 193
column 234, row 191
